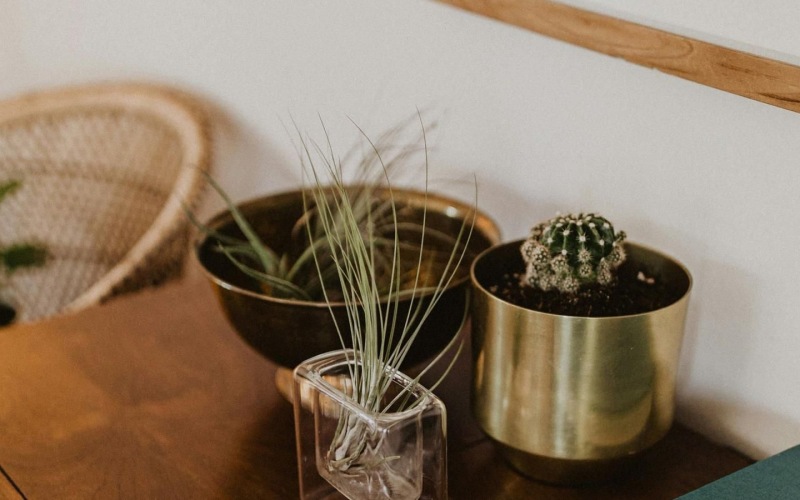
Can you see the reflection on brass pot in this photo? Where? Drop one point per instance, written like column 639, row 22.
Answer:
column 572, row 399
column 290, row 331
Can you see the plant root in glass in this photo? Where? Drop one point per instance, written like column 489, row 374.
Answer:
column 346, row 450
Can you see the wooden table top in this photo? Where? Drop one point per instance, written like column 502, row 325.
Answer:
column 154, row 396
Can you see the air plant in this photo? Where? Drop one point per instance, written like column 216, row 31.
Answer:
column 379, row 333
column 293, row 276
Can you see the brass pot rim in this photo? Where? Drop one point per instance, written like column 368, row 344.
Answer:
column 484, row 224
column 486, row 253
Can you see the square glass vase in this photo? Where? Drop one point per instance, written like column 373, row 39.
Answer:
column 347, row 451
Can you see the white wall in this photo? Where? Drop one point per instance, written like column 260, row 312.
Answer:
column 707, row 176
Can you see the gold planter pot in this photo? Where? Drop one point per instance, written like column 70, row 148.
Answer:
column 574, row 399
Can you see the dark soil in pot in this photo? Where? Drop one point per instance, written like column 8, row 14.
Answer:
column 638, row 290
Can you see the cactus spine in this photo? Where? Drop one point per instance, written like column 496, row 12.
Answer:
column 569, row 251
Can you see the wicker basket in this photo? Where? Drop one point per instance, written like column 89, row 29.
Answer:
column 104, row 171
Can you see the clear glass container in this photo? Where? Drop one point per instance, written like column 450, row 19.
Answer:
column 347, row 451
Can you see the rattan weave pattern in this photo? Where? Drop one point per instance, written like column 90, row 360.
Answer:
column 104, row 170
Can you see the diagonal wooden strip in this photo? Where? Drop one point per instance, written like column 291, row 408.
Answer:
column 755, row 77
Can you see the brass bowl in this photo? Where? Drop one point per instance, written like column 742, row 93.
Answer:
column 574, row 399
column 288, row 332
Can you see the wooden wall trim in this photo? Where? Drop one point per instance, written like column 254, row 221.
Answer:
column 766, row 80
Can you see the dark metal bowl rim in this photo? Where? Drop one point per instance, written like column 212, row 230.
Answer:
column 483, row 224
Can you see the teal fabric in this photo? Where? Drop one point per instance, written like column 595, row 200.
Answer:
column 774, row 478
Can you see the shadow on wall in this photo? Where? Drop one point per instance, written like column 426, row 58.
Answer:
column 722, row 421
column 720, row 322
column 719, row 342
column 246, row 163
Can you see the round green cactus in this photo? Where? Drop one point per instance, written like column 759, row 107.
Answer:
column 572, row 250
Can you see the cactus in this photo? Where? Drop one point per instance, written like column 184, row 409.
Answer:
column 570, row 251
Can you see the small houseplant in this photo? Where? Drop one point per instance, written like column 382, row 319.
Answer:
column 16, row 256
column 578, row 333
column 362, row 426
column 258, row 254
column 283, row 268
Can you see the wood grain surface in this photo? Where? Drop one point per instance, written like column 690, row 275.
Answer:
column 154, row 396
column 766, row 80
column 8, row 490
column 150, row 397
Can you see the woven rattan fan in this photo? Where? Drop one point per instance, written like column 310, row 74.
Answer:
column 104, row 170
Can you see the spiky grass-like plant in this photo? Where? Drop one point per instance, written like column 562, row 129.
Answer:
column 294, row 276
column 380, row 333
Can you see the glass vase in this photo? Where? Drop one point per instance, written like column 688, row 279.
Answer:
column 347, row 451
